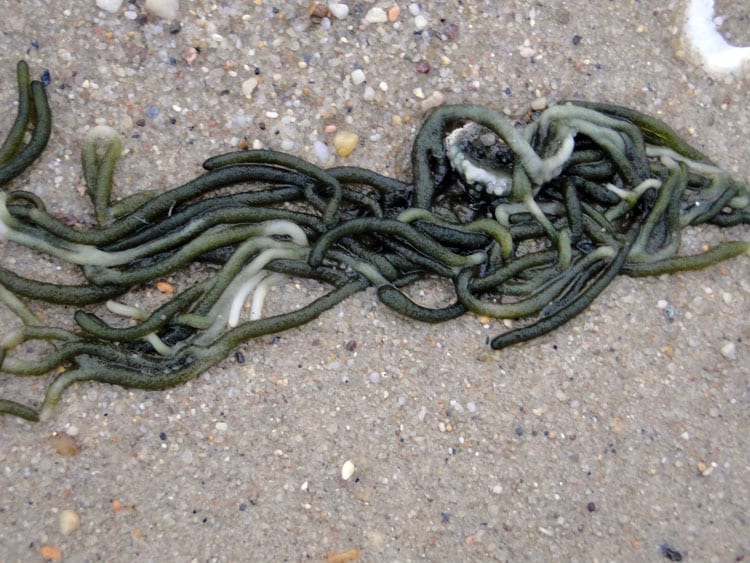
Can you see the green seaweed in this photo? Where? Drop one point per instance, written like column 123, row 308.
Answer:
column 584, row 192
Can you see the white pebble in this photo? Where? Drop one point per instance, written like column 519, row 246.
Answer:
column 376, row 15
column 339, row 10
column 347, row 470
column 222, row 426
column 420, row 22
column 320, row 149
column 110, row 6
column 69, row 522
column 374, row 377
column 369, row 94
column 166, row 9
column 287, row 145
column 248, row 87
column 497, row 489
column 358, row 76
column 539, row 104
column 729, row 351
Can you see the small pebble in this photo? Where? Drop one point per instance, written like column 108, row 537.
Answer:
column 393, row 13
column 110, row 6
column 65, row 445
column 423, row 67
column 50, row 553
column 451, row 31
column 338, row 10
column 345, row 142
column 320, row 149
column 420, row 22
column 539, row 104
column 347, row 470
column 376, row 15
column 358, row 76
column 166, row 9
column 69, row 522
column 318, row 10
column 248, row 87
column 369, row 94
column 591, row 507
column 729, row 351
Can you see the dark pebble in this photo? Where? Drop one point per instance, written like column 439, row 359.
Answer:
column 451, row 31
column 240, row 358
column 519, row 431
column 162, row 435
column 423, row 67
column 591, row 507
column 350, row 345
column 577, row 39
column 671, row 554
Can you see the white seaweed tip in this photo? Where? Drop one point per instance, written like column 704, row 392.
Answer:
column 718, row 55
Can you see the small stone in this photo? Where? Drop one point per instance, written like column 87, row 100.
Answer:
column 345, row 142
column 591, row 507
column 320, row 149
column 358, row 76
column 65, row 444
column 110, row 6
column 376, row 15
column 729, row 351
column 347, row 470
column 189, row 54
column 50, row 553
column 248, row 87
column 420, row 22
column 393, row 13
column 526, row 52
column 451, row 31
column 539, row 104
column 222, row 426
column 423, row 67
column 166, row 9
column 317, row 11
column 69, row 522
column 497, row 489
column 338, row 10
column 369, row 94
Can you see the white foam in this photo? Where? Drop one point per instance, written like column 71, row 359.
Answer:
column 718, row 55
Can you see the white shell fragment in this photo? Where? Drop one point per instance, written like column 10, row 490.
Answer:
column 718, row 55
column 347, row 470
column 166, row 9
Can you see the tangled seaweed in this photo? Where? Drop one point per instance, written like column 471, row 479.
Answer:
column 526, row 223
